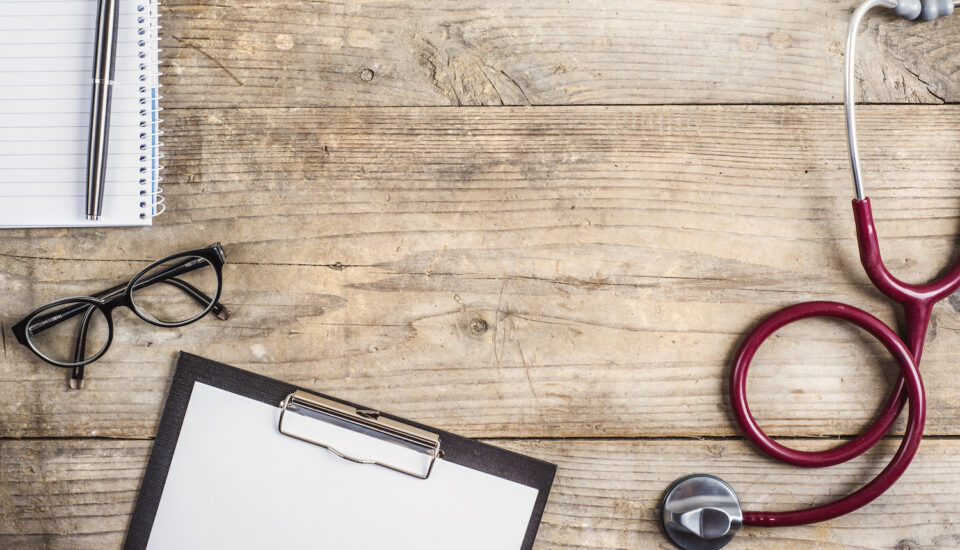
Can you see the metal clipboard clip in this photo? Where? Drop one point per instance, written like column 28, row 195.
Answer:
column 364, row 421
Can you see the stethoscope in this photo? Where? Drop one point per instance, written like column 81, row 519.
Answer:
column 702, row 512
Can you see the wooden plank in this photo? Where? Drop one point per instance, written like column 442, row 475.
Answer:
column 78, row 494
column 451, row 52
column 586, row 361
column 574, row 272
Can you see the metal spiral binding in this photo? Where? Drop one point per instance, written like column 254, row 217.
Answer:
column 149, row 96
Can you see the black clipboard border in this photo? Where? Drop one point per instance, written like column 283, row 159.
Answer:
column 192, row 368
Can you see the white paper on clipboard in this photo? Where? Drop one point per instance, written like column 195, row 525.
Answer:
column 236, row 482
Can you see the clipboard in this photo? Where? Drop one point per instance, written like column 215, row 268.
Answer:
column 241, row 459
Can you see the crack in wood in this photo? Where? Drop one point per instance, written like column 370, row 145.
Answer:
column 201, row 51
column 926, row 84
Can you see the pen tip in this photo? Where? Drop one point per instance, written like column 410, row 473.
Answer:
column 93, row 217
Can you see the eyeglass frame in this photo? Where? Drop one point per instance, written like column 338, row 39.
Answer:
column 122, row 295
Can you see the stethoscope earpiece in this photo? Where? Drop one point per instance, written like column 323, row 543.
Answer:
column 908, row 9
column 700, row 512
column 933, row 9
column 928, row 10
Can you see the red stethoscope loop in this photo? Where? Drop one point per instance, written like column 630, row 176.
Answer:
column 917, row 408
column 917, row 301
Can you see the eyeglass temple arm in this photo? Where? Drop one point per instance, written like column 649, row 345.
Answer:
column 218, row 309
column 54, row 318
column 46, row 321
column 79, row 349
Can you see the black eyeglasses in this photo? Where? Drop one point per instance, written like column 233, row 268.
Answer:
column 171, row 292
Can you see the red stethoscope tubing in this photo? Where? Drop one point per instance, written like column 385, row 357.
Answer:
column 917, row 302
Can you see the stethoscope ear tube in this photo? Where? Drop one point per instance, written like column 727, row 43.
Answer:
column 927, row 10
column 906, row 294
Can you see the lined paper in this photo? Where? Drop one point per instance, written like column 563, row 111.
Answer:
column 46, row 62
column 236, row 482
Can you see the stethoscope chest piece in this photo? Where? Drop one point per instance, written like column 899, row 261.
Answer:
column 700, row 512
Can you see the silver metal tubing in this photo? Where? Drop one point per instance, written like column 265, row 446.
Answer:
column 849, row 87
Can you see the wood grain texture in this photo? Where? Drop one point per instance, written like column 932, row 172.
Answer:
column 581, row 268
column 383, row 53
column 516, row 272
column 78, row 494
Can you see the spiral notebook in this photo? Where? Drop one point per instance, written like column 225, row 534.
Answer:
column 46, row 63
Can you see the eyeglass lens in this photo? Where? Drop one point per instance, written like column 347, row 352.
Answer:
column 68, row 333
column 177, row 290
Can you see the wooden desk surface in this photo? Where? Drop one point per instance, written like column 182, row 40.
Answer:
column 544, row 224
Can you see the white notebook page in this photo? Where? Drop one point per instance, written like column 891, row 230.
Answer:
column 46, row 63
column 236, row 482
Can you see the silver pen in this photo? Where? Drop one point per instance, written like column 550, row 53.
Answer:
column 104, row 68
